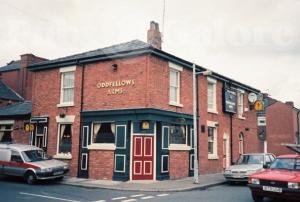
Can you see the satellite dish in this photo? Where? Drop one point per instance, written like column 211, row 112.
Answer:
column 252, row 97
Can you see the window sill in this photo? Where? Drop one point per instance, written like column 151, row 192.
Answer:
column 241, row 117
column 175, row 104
column 63, row 156
column 179, row 147
column 213, row 157
column 103, row 146
column 65, row 105
column 212, row 111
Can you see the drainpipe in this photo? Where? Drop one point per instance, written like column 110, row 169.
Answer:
column 298, row 127
column 231, row 141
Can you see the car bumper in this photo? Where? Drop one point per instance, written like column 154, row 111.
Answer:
column 236, row 177
column 287, row 194
column 50, row 175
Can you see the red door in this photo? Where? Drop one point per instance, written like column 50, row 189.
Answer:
column 142, row 160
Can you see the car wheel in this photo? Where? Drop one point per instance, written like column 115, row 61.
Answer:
column 257, row 198
column 30, row 178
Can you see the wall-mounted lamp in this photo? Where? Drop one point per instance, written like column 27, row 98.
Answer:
column 217, row 125
column 247, row 129
column 114, row 67
column 62, row 115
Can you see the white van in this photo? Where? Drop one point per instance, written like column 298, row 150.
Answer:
column 29, row 162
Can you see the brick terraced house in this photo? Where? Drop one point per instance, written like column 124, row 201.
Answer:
column 124, row 112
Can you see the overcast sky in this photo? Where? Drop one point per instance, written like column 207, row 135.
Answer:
column 256, row 42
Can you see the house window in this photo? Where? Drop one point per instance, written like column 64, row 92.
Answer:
column 241, row 143
column 67, row 87
column 211, row 95
column 104, row 133
column 174, row 86
column 240, row 104
column 178, row 134
column 5, row 133
column 65, row 138
column 212, row 140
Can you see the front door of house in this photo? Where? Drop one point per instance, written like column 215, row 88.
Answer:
column 143, row 157
column 226, row 151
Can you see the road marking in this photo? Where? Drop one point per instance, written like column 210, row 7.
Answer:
column 129, row 200
column 147, row 197
column 100, row 201
column 162, row 195
column 119, row 198
column 138, row 195
column 50, row 197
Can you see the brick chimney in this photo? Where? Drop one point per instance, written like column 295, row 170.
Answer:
column 154, row 35
column 290, row 103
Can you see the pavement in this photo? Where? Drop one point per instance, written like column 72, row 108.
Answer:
column 186, row 184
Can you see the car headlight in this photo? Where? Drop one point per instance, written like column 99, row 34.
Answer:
column 45, row 170
column 293, row 185
column 254, row 181
column 66, row 167
column 227, row 171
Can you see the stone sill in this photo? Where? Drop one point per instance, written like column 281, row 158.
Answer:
column 179, row 147
column 63, row 156
column 104, row 146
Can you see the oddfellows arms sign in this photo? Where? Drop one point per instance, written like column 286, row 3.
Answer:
column 115, row 87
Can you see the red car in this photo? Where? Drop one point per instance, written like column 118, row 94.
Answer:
column 281, row 179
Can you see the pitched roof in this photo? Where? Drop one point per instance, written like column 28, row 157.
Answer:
column 13, row 65
column 131, row 48
column 17, row 109
column 7, row 93
column 118, row 48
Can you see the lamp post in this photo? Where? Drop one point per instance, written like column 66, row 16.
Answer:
column 196, row 163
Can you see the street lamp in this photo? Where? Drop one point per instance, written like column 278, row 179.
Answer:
column 196, row 166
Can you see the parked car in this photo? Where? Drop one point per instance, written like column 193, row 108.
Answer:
column 246, row 165
column 279, row 180
column 29, row 162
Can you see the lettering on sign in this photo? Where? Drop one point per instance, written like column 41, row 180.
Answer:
column 115, row 87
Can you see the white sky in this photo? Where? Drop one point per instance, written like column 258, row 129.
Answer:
column 256, row 42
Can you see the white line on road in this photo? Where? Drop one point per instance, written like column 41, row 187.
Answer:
column 162, row 195
column 119, row 198
column 50, row 197
column 100, row 201
column 138, row 195
column 147, row 197
column 129, row 200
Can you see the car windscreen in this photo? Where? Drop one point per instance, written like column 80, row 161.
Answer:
column 250, row 159
column 34, row 155
column 286, row 164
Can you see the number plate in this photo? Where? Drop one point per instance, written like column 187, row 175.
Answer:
column 272, row 189
column 58, row 173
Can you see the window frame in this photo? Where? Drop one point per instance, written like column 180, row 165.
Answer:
column 63, row 71
column 58, row 139
column 240, row 103
column 176, row 146
column 103, row 146
column 176, row 69
column 6, row 130
column 213, row 82
column 214, row 155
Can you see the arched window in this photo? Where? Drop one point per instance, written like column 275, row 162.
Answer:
column 241, row 143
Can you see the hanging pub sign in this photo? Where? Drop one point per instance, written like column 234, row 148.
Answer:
column 229, row 100
column 28, row 127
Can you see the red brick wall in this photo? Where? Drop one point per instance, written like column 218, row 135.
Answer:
column 128, row 69
column 46, row 96
column 280, row 127
column 252, row 143
column 20, row 136
column 179, row 164
column 101, row 164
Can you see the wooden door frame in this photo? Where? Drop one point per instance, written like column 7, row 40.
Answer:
column 227, row 138
column 131, row 151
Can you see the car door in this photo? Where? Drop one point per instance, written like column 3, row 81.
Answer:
column 16, row 165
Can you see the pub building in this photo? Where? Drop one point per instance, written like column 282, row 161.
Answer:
column 124, row 112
